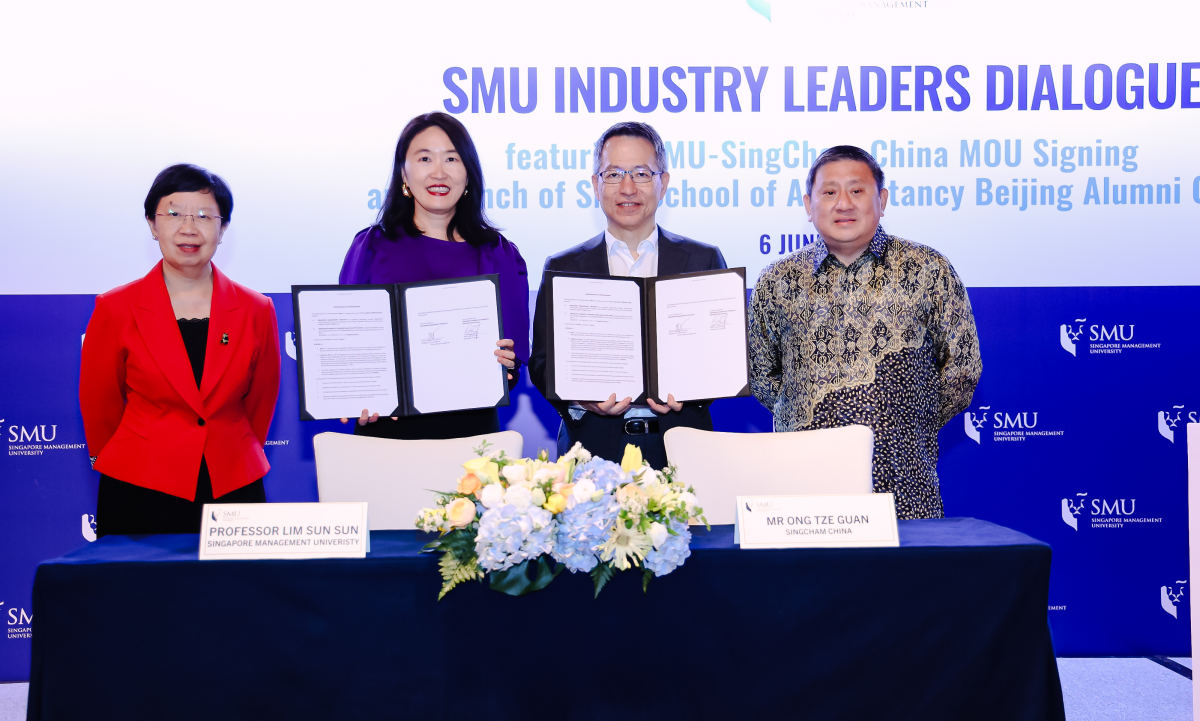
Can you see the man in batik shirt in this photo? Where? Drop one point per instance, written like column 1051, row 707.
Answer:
column 862, row 327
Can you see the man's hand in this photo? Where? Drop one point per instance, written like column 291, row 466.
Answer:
column 609, row 407
column 364, row 419
column 672, row 405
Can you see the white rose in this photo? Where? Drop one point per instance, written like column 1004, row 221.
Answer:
column 658, row 534
column 688, row 500
column 583, row 491
column 538, row 497
column 542, row 474
column 493, row 495
column 518, row 496
column 514, row 473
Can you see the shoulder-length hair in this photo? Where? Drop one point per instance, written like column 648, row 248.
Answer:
column 470, row 220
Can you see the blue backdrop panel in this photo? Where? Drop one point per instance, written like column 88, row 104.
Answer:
column 1075, row 436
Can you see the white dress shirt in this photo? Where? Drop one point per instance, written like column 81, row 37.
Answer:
column 621, row 261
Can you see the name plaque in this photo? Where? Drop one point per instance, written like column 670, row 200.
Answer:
column 863, row 519
column 244, row 531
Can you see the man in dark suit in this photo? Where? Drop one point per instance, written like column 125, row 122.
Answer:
column 629, row 178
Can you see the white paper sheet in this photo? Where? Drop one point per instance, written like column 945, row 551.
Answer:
column 701, row 336
column 452, row 332
column 348, row 351
column 597, row 338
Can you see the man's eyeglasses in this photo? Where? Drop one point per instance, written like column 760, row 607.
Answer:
column 202, row 219
column 638, row 175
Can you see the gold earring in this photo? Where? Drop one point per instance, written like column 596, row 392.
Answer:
column 466, row 190
column 404, row 190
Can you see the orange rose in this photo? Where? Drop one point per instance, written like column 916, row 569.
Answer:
column 469, row 484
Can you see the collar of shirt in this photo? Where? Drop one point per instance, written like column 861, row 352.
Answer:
column 622, row 263
column 877, row 247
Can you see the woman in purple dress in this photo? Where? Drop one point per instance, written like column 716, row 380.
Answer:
column 433, row 226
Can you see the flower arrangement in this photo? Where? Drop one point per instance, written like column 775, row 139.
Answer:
column 521, row 521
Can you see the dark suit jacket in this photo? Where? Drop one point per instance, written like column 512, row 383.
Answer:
column 143, row 415
column 676, row 254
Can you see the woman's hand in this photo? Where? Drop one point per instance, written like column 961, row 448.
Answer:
column 505, row 356
column 364, row 419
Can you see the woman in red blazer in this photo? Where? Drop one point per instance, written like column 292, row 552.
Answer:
column 180, row 373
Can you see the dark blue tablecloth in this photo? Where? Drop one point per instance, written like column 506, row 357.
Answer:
column 951, row 625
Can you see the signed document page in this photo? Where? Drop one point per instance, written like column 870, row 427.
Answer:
column 452, row 333
column 349, row 352
column 597, row 338
column 701, row 339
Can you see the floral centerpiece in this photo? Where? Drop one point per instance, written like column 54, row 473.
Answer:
column 520, row 521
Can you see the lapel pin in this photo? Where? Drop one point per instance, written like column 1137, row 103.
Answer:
column 224, row 339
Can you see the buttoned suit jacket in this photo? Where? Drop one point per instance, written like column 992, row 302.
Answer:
column 146, row 421
column 676, row 254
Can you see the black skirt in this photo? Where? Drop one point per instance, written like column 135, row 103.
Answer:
column 433, row 426
column 123, row 509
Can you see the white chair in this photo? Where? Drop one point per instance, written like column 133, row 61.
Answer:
column 396, row 478
column 723, row 466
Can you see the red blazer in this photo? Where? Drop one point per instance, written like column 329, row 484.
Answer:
column 144, row 418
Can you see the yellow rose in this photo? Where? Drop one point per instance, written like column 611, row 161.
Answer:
column 460, row 512
column 556, row 503
column 468, row 484
column 633, row 458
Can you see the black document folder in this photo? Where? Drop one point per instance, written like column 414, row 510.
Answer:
column 378, row 347
column 646, row 337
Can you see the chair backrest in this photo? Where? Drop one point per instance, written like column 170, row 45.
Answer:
column 722, row 466
column 396, row 478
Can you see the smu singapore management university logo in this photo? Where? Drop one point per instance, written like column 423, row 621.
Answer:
column 985, row 423
column 1100, row 338
column 34, row 440
column 1102, row 512
column 1171, row 597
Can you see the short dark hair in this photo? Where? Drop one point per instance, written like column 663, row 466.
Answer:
column 632, row 130
column 188, row 178
column 844, row 152
column 470, row 220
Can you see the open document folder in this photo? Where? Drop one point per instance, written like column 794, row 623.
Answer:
column 399, row 350
column 681, row 335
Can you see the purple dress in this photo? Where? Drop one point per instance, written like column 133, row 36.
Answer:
column 375, row 258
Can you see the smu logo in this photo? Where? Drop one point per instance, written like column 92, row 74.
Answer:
column 1169, row 596
column 1002, row 425
column 33, row 434
column 1072, row 508
column 1168, row 421
column 89, row 528
column 1104, row 513
column 972, row 422
column 1101, row 339
column 1069, row 334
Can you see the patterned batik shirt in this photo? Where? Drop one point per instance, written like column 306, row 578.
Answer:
column 888, row 342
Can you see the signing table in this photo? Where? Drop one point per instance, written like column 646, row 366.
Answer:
column 951, row 625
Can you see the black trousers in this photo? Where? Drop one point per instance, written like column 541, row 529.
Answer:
column 605, row 436
column 123, row 509
column 433, row 426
